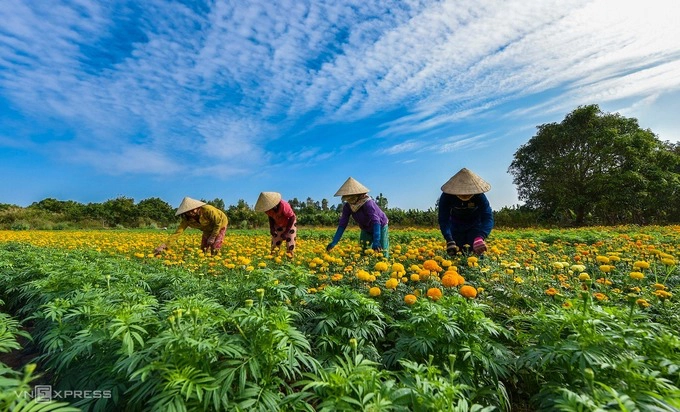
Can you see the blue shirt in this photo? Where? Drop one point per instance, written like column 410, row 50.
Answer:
column 456, row 215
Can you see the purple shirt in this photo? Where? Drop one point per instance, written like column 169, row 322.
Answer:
column 366, row 216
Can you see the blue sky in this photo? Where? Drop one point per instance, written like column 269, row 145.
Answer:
column 225, row 99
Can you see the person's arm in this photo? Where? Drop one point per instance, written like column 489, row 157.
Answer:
column 444, row 217
column 272, row 229
column 377, row 245
column 487, row 221
column 342, row 224
column 183, row 224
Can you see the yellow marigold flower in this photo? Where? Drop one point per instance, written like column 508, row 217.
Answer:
column 363, row 275
column 606, row 268
column 434, row 293
column 567, row 305
column 668, row 261
column 374, row 291
column 509, row 271
column 662, row 294
column 578, row 268
column 642, row 303
column 636, row 289
column 583, row 277
column 637, row 275
column 557, row 265
column 415, row 277
column 641, row 264
column 410, row 299
column 468, row 291
column 602, row 259
column 659, row 286
column 398, row 267
column 551, row 292
column 600, row 296
column 518, row 279
column 381, row 266
column 391, row 283
column 262, row 265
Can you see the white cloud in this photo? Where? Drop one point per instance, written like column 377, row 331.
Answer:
column 407, row 146
column 222, row 84
column 123, row 160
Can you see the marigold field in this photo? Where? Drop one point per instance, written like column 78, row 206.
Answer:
column 573, row 319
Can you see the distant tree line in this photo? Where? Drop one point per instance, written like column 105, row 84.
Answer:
column 593, row 168
column 123, row 212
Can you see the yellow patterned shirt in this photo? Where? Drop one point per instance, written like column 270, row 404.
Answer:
column 210, row 222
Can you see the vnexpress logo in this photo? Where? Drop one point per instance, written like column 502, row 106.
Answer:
column 42, row 392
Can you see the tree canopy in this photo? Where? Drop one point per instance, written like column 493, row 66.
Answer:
column 598, row 166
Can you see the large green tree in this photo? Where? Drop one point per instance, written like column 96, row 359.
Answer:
column 598, row 165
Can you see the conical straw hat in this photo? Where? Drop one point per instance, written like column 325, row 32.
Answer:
column 465, row 182
column 351, row 187
column 267, row 200
column 187, row 205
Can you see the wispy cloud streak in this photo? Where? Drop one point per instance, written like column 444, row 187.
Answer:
column 216, row 82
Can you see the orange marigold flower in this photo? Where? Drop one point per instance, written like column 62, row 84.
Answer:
column 431, row 265
column 600, row 296
column 551, row 292
column 410, row 299
column 452, row 280
column 468, row 291
column 374, row 291
column 434, row 293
